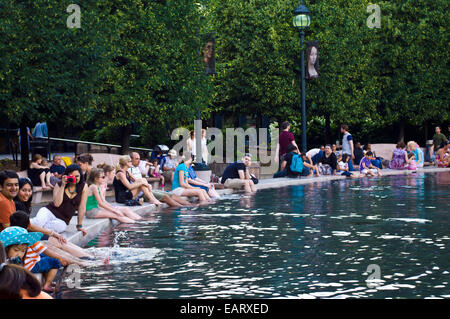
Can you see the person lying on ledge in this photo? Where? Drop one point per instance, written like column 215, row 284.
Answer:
column 237, row 176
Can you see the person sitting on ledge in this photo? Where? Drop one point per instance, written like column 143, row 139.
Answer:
column 96, row 204
column 328, row 162
column 366, row 167
column 399, row 157
column 198, row 182
column 57, row 170
column 126, row 187
column 443, row 155
column 236, row 175
column 85, row 162
column 180, row 183
column 300, row 167
column 39, row 174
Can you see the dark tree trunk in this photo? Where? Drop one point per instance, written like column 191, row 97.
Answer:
column 401, row 131
column 24, row 151
column 328, row 129
column 126, row 133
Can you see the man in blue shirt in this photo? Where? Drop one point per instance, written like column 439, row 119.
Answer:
column 236, row 175
column 347, row 145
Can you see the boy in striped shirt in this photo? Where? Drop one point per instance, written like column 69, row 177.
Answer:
column 34, row 259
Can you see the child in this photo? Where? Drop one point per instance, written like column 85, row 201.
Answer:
column 155, row 172
column 412, row 166
column 343, row 165
column 366, row 167
column 16, row 282
column 24, row 248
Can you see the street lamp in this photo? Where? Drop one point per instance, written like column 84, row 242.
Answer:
column 302, row 21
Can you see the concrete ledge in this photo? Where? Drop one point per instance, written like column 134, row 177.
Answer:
column 94, row 226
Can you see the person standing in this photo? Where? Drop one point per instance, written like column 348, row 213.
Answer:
column 347, row 145
column 438, row 138
column 285, row 139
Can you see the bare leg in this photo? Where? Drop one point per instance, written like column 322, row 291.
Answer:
column 42, row 178
column 49, row 279
column 148, row 193
column 129, row 213
column 169, row 201
column 69, row 247
column 70, row 258
column 108, row 214
column 180, row 200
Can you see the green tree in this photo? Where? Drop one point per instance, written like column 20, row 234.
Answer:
column 48, row 71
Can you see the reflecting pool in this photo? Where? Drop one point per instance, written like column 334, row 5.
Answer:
column 322, row 240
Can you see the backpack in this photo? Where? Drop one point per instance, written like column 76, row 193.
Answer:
column 296, row 163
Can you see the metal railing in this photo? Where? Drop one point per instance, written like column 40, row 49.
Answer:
column 39, row 143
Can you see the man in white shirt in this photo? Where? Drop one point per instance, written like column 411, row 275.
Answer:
column 139, row 169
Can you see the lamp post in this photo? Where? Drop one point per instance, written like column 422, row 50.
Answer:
column 302, row 21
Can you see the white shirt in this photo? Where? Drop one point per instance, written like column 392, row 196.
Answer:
column 313, row 152
column 135, row 171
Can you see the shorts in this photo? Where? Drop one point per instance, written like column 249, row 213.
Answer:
column 159, row 194
column 200, row 186
column 178, row 191
column 122, row 197
column 45, row 265
column 235, row 183
column 92, row 213
column 373, row 170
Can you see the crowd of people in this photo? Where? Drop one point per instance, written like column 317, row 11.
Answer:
column 36, row 245
column 353, row 160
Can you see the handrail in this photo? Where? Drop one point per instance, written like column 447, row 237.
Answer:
column 48, row 139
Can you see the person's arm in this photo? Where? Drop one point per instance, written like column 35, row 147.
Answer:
column 277, row 153
column 352, row 149
column 126, row 183
column 82, row 210
column 421, row 157
column 100, row 198
column 58, row 192
column 45, row 231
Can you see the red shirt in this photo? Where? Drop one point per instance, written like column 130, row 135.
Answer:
column 7, row 208
column 285, row 139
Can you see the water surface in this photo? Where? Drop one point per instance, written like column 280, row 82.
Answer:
column 308, row 241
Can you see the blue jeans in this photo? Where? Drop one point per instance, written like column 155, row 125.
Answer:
column 46, row 264
column 377, row 163
column 200, row 186
column 282, row 173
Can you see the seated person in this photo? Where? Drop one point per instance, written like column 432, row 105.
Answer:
column 443, row 155
column 24, row 249
column 328, row 162
column 315, row 155
column 343, row 166
column 126, row 187
column 290, row 169
column 139, row 168
column 412, row 165
column 358, row 152
column 197, row 182
column 168, row 165
column 57, row 170
column 180, row 183
column 399, row 157
column 96, row 204
column 366, row 167
column 85, row 162
column 414, row 148
column 154, row 173
column 26, row 285
column 39, row 174
column 236, row 175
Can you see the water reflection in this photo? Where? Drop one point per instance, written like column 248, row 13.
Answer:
column 309, row 241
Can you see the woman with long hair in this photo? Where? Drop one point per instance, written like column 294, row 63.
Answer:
column 98, row 207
